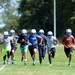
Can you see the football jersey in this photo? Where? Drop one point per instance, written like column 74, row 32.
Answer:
column 33, row 39
column 68, row 41
column 6, row 43
column 51, row 42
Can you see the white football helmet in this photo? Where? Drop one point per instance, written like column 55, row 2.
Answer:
column 68, row 31
column 33, row 31
column 41, row 31
column 6, row 33
column 24, row 31
column 12, row 31
column 50, row 33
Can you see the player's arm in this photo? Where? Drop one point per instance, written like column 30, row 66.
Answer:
column 63, row 40
column 26, row 40
column 73, row 40
column 45, row 40
column 19, row 40
column 39, row 38
column 55, row 41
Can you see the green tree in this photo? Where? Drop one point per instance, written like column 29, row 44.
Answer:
column 36, row 14
column 39, row 14
column 8, row 16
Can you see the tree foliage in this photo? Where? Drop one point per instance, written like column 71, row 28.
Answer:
column 8, row 17
column 39, row 14
column 36, row 14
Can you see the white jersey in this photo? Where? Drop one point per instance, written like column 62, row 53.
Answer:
column 51, row 42
column 6, row 43
column 13, row 40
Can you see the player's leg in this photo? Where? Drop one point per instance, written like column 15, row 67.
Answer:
column 22, row 48
column 70, row 56
column 4, row 52
column 34, row 55
column 25, row 54
column 8, row 57
column 25, row 58
column 40, row 54
column 22, row 51
column 43, row 52
column 22, row 58
column 53, row 52
column 49, row 56
column 32, row 50
column 12, row 56
column 4, row 59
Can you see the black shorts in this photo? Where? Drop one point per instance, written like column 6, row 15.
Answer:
column 67, row 51
column 13, row 49
column 31, row 49
column 52, row 52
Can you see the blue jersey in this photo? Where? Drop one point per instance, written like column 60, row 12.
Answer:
column 33, row 39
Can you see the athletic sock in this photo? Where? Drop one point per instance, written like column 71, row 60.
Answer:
column 25, row 61
column 34, row 62
column 8, row 61
column 4, row 62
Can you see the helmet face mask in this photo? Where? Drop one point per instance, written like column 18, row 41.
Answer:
column 5, row 36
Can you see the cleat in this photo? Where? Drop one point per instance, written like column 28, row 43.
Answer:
column 69, row 65
column 34, row 63
column 25, row 61
column 14, row 62
column 8, row 61
column 4, row 62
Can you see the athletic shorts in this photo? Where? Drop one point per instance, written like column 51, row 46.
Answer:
column 67, row 51
column 52, row 51
column 12, row 51
column 24, row 48
column 13, row 47
column 4, row 51
column 31, row 49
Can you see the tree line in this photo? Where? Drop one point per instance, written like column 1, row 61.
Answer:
column 38, row 14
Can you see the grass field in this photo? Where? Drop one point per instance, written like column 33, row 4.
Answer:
column 59, row 66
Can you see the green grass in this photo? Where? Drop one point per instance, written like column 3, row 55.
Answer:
column 59, row 66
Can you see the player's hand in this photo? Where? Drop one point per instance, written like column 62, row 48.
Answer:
column 23, row 40
column 73, row 47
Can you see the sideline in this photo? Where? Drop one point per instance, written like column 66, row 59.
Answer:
column 2, row 67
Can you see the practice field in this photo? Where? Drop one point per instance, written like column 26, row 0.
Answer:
column 59, row 66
